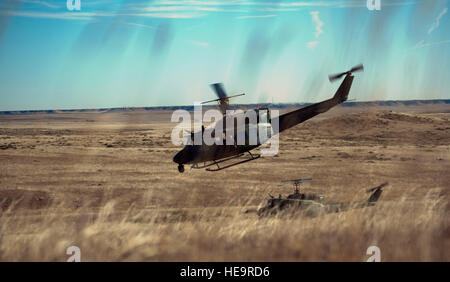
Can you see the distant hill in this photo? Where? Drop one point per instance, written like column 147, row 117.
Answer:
column 390, row 103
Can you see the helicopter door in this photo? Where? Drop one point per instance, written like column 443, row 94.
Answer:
column 264, row 125
column 263, row 115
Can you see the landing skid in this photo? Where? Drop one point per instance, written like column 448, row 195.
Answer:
column 207, row 166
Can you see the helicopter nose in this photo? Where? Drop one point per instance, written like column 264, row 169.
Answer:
column 180, row 157
column 177, row 157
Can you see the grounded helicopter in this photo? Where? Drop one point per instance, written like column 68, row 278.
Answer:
column 205, row 156
column 311, row 204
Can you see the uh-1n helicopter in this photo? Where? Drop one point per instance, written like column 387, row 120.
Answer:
column 205, row 156
column 312, row 205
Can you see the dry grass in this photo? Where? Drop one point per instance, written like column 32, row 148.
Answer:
column 106, row 183
column 404, row 231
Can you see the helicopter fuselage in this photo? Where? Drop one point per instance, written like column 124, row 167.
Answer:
column 226, row 144
column 197, row 153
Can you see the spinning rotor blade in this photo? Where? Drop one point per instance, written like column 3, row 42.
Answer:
column 356, row 68
column 300, row 180
column 333, row 77
column 377, row 187
column 218, row 89
column 223, row 98
column 219, row 99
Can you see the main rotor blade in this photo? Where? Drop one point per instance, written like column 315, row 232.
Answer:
column 377, row 187
column 333, row 77
column 211, row 101
column 359, row 67
column 356, row 68
column 300, row 180
column 219, row 90
column 228, row 97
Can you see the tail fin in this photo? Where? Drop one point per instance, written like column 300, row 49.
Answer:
column 341, row 94
column 375, row 196
column 288, row 120
column 376, row 193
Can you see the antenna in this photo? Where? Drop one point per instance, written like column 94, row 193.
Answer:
column 297, row 183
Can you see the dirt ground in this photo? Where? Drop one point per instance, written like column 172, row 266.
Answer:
column 105, row 182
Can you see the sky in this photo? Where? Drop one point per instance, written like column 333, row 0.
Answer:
column 115, row 53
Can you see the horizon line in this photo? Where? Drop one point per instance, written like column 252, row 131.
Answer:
column 187, row 106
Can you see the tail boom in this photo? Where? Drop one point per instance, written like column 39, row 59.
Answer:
column 291, row 119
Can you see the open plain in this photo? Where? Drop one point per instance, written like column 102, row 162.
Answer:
column 105, row 181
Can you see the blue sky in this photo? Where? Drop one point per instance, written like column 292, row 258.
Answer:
column 148, row 53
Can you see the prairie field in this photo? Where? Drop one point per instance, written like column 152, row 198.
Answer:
column 105, row 181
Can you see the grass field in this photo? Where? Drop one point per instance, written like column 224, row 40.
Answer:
column 105, row 182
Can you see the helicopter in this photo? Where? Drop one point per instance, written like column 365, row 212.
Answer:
column 205, row 156
column 311, row 204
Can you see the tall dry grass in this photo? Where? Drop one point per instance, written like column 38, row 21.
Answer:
column 116, row 194
column 404, row 230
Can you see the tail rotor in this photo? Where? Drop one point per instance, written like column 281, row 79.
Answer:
column 333, row 77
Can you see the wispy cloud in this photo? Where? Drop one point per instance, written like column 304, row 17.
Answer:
column 318, row 22
column 44, row 15
column 161, row 8
column 138, row 25
column 185, row 9
column 41, row 3
column 312, row 44
column 170, row 8
column 436, row 21
column 435, row 25
column 318, row 29
column 95, row 15
column 281, row 5
column 255, row 16
column 419, row 44
column 422, row 43
column 166, row 15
